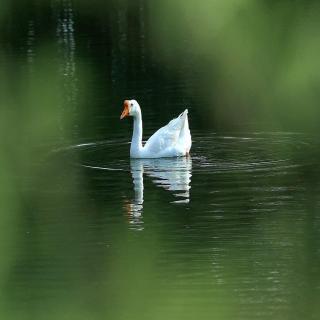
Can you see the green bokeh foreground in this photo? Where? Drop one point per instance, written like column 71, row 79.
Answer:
column 255, row 63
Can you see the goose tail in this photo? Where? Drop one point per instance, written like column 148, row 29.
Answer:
column 184, row 122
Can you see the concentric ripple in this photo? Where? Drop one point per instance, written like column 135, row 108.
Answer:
column 265, row 152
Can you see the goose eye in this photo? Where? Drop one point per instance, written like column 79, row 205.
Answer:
column 131, row 104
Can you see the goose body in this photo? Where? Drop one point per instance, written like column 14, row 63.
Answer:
column 172, row 140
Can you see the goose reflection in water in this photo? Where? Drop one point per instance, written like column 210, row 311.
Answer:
column 172, row 174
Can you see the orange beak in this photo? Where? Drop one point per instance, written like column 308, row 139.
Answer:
column 126, row 109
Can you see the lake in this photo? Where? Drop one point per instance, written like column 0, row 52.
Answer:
column 231, row 232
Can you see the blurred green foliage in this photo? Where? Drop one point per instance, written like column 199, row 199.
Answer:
column 242, row 63
column 256, row 60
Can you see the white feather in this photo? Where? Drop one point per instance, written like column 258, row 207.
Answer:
column 172, row 140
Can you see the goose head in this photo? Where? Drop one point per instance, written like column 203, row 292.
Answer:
column 130, row 108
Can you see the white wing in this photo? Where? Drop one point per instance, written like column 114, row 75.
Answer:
column 169, row 135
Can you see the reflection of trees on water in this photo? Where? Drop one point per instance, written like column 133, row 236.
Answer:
column 66, row 39
column 30, row 44
column 65, row 33
column 110, row 43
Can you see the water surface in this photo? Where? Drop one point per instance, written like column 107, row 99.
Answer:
column 231, row 232
column 232, row 229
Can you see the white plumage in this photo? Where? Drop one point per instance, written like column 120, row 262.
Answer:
column 172, row 140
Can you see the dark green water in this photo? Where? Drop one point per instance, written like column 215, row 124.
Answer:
column 232, row 232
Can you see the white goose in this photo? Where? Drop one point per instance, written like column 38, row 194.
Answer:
column 172, row 140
